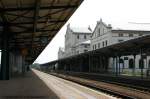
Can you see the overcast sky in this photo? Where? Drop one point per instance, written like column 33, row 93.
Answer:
column 118, row 13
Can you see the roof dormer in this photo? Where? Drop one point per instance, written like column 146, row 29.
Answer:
column 101, row 28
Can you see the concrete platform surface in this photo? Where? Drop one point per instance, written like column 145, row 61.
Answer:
column 39, row 85
column 27, row 87
column 69, row 90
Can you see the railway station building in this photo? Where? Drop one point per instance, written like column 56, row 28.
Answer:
column 77, row 40
column 104, row 35
column 80, row 40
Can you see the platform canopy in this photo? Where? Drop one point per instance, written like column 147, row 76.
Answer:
column 32, row 24
column 136, row 46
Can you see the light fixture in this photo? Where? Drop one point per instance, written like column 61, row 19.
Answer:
column 44, row 39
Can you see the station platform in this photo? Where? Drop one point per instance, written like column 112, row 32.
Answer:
column 39, row 85
column 30, row 86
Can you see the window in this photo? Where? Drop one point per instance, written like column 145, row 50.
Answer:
column 103, row 31
column 93, row 47
column 141, row 64
column 103, row 44
column 140, row 34
column 131, row 63
column 78, row 36
column 120, row 34
column 98, row 45
column 106, row 42
column 85, row 50
column 99, row 32
column 120, row 40
column 121, row 61
column 85, row 46
column 130, row 35
column 84, row 36
column 125, row 58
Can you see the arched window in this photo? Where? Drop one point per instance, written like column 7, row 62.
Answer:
column 84, row 36
column 121, row 61
column 99, row 32
column 141, row 63
column 78, row 36
column 131, row 64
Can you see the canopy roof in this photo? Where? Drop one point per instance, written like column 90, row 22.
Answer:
column 136, row 46
column 32, row 24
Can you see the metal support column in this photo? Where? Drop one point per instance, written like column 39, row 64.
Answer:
column 81, row 64
column 106, row 64
column 147, row 67
column 134, row 65
column 119, row 65
column 102, row 64
column 141, row 63
column 5, row 73
column 113, row 67
column 89, row 63
column 116, row 66
column 99, row 63
column 91, row 60
column 23, row 65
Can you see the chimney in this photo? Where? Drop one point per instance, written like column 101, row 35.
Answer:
column 68, row 26
column 89, row 28
column 109, row 26
column 101, row 20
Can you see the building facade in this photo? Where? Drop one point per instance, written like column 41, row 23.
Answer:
column 103, row 35
column 80, row 40
column 61, row 53
column 77, row 40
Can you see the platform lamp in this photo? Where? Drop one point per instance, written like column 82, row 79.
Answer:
column 44, row 40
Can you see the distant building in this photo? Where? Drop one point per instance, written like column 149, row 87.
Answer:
column 103, row 35
column 82, row 47
column 77, row 40
column 61, row 53
column 74, row 38
column 80, row 40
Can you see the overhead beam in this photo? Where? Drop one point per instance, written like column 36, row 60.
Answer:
column 31, row 22
column 51, row 13
column 41, row 8
column 36, row 14
column 20, row 15
column 35, row 19
column 30, row 31
column 27, row 37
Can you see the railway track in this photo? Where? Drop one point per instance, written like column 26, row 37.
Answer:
column 115, row 89
column 132, row 83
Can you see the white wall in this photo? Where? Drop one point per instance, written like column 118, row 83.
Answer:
column 113, row 37
column 102, row 33
column 71, row 41
column 81, row 48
